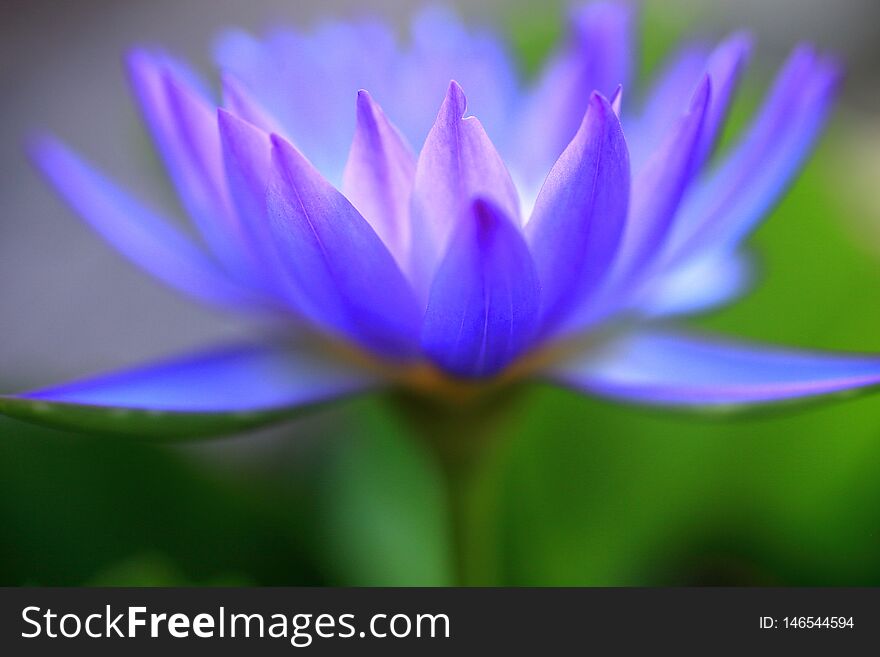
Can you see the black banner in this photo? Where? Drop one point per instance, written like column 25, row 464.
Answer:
column 279, row 621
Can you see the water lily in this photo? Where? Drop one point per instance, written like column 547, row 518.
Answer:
column 344, row 192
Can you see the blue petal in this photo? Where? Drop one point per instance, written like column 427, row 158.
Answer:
column 678, row 370
column 239, row 379
column 724, row 68
column 184, row 125
column 659, row 187
column 457, row 164
column 147, row 239
column 483, row 308
column 667, row 97
column 345, row 274
column 657, row 191
column 247, row 154
column 379, row 177
column 677, row 84
column 598, row 58
column 726, row 206
column 580, row 213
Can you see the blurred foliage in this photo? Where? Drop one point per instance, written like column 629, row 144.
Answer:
column 579, row 492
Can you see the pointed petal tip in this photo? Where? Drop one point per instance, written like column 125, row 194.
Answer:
column 455, row 96
column 367, row 107
column 617, row 100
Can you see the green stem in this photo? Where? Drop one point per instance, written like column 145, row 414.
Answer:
column 463, row 438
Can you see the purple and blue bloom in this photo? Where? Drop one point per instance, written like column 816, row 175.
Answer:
column 552, row 238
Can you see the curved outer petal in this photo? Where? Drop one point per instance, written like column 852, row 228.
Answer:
column 147, row 239
column 247, row 155
column 724, row 68
column 213, row 392
column 457, row 164
column 379, row 175
column 483, row 307
column 598, row 58
column 678, row 370
column 678, row 83
column 580, row 213
column 658, row 188
column 345, row 274
column 725, row 207
column 666, row 97
column 184, row 126
column 657, row 191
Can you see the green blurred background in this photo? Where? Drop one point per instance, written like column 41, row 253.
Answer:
column 577, row 491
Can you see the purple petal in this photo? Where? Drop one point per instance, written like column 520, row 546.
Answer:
column 598, row 58
column 667, row 98
column 723, row 209
column 483, row 308
column 457, row 164
column 724, row 68
column 184, row 126
column 678, row 370
column 240, row 379
column 657, row 191
column 659, row 186
column 247, row 154
column 677, row 84
column 147, row 239
column 580, row 213
column 345, row 274
column 378, row 178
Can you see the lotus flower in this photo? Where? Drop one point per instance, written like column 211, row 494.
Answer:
column 402, row 246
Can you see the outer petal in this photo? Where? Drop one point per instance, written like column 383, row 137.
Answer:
column 738, row 194
column 247, row 155
column 598, row 58
column 658, row 188
column 579, row 216
column 147, row 239
column 378, row 178
column 184, row 126
column 215, row 392
column 724, row 68
column 457, row 164
column 667, row 97
column 677, row 84
column 344, row 272
column 483, row 308
column 678, row 370
column 657, row 191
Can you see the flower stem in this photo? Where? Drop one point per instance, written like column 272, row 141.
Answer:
column 464, row 440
